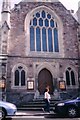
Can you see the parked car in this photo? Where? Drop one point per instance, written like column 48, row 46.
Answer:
column 71, row 108
column 7, row 108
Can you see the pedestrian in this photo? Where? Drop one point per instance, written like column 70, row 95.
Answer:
column 47, row 100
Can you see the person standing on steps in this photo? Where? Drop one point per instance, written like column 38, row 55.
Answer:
column 47, row 100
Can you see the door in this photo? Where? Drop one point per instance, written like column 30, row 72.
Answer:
column 44, row 80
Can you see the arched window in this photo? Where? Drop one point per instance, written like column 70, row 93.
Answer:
column 19, row 77
column 43, row 32
column 70, row 77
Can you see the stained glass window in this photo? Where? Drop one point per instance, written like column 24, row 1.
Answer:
column 32, row 42
column 22, row 78
column 41, row 22
column 19, row 77
column 44, row 42
column 50, row 44
column 67, row 78
column 38, row 42
column 16, row 78
column 43, row 14
column 34, row 21
column 70, row 77
column 37, row 14
column 48, row 16
column 56, row 48
column 46, row 22
column 43, row 32
column 51, row 23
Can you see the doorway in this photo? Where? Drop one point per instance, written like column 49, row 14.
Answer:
column 45, row 79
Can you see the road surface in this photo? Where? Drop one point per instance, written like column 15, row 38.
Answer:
column 37, row 116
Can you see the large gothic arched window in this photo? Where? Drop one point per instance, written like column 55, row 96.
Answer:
column 43, row 32
column 70, row 77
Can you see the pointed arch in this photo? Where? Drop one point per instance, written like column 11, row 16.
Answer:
column 71, row 76
column 29, row 16
column 19, row 75
column 45, row 79
column 44, row 65
column 44, row 17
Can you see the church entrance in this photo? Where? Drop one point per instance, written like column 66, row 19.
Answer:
column 44, row 80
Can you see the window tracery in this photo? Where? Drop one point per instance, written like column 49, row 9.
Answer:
column 19, row 76
column 70, row 77
column 43, row 32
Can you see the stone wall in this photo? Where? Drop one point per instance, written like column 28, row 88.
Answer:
column 18, row 39
column 19, row 54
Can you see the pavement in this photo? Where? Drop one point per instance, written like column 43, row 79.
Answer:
column 36, row 113
column 32, row 113
column 39, row 114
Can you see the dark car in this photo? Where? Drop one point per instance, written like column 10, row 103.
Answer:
column 70, row 108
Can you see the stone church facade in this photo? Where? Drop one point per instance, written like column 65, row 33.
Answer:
column 39, row 48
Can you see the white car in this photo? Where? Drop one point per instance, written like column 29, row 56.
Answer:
column 7, row 108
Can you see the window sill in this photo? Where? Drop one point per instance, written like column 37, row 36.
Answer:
column 45, row 54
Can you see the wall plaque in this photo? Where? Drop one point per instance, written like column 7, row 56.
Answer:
column 30, row 85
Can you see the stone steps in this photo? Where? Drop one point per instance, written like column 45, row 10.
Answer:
column 37, row 104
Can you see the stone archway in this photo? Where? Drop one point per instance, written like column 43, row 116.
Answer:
column 45, row 79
